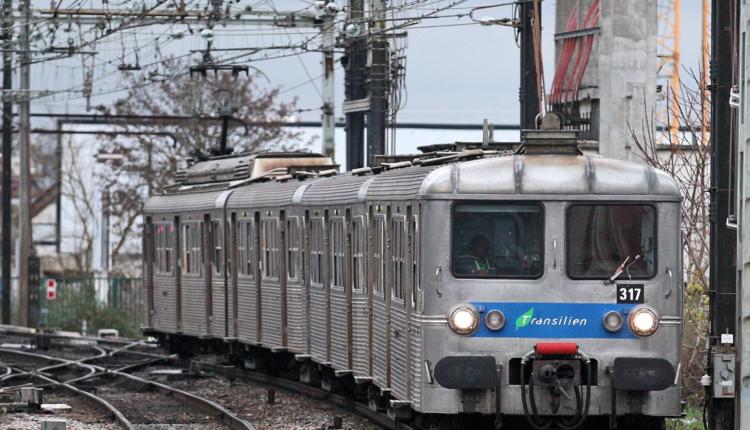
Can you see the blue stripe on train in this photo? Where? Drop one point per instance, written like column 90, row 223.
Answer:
column 554, row 320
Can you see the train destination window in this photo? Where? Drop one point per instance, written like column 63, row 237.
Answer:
column 600, row 238
column 497, row 240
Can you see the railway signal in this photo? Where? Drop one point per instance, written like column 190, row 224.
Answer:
column 51, row 289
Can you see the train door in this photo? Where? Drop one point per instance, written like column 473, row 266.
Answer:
column 380, row 323
column 397, row 301
column 359, row 297
column 177, row 275
column 148, row 270
column 416, row 305
column 217, row 251
column 282, row 275
column 307, row 277
column 233, row 267
column 207, row 262
column 338, row 304
column 319, row 288
column 246, row 277
column 258, row 279
column 296, row 328
column 271, row 303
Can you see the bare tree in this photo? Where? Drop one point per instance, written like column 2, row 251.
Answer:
column 686, row 156
column 77, row 190
column 150, row 161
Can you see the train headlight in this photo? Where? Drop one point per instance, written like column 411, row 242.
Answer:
column 613, row 321
column 643, row 321
column 463, row 319
column 495, row 320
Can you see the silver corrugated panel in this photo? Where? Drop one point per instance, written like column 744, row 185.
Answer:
column 296, row 318
column 379, row 340
column 270, row 314
column 165, row 304
column 398, row 183
column 246, row 318
column 218, row 301
column 336, row 190
column 318, row 324
column 417, row 364
column 360, row 335
column 264, row 194
column 399, row 343
column 182, row 202
column 194, row 306
column 339, row 330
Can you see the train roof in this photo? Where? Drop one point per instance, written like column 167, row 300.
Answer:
column 481, row 174
column 550, row 175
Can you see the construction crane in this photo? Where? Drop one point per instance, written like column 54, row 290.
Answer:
column 668, row 75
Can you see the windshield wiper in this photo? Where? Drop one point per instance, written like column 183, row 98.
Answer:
column 623, row 267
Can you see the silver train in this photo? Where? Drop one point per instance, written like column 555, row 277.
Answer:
column 538, row 288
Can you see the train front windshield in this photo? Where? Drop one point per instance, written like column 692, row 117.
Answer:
column 601, row 238
column 497, row 240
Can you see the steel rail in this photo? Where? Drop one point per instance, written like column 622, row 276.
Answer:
column 96, row 401
column 219, row 412
column 341, row 401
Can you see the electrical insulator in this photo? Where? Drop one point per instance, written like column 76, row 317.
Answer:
column 353, row 29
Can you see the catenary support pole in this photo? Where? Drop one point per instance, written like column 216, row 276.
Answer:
column 7, row 36
column 376, row 117
column 328, row 116
column 356, row 61
column 527, row 93
column 24, row 140
column 722, row 272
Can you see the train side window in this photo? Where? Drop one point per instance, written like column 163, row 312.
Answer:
column 164, row 243
column 601, row 237
column 359, row 244
column 497, row 240
column 378, row 254
column 397, row 257
column 294, row 238
column 337, row 252
column 317, row 248
column 269, row 248
column 217, row 238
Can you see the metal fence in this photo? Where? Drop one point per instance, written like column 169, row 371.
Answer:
column 90, row 303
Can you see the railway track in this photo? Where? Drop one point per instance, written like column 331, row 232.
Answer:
column 112, row 391
column 106, row 375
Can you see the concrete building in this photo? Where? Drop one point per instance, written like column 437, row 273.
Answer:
column 607, row 91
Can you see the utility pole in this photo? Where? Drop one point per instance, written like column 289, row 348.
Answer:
column 24, row 139
column 527, row 94
column 355, row 89
column 7, row 36
column 722, row 272
column 328, row 115
column 376, row 121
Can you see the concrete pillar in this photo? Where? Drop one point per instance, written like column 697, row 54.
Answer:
column 627, row 74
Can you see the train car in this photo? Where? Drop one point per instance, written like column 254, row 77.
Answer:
column 536, row 287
